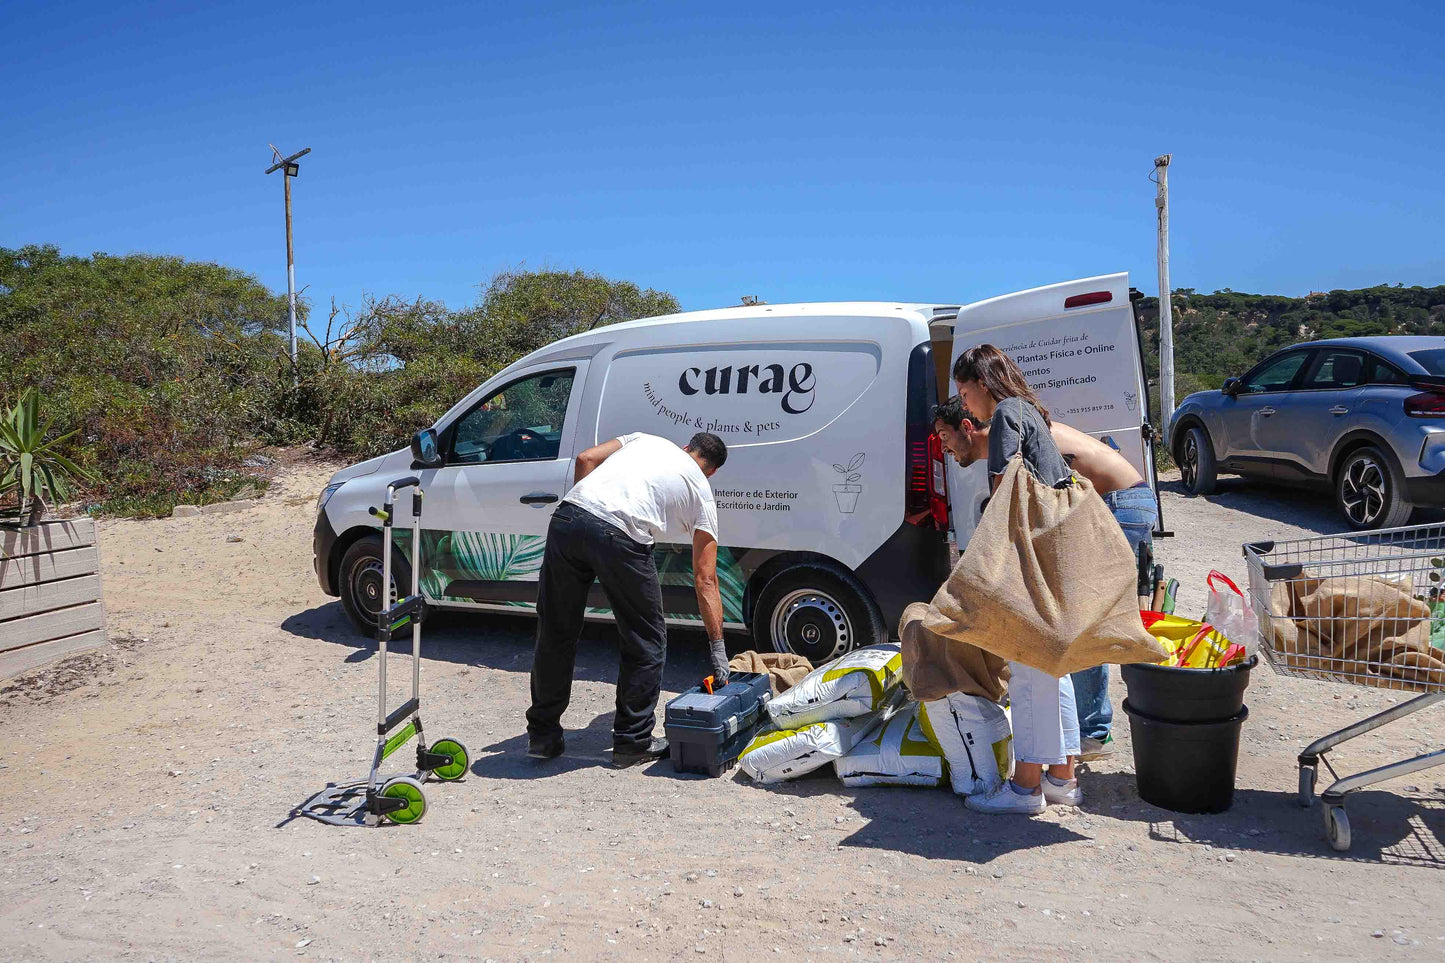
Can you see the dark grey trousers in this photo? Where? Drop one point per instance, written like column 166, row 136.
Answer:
column 582, row 547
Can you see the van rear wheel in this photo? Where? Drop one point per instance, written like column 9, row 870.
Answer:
column 816, row 611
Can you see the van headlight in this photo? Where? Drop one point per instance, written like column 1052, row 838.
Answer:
column 325, row 496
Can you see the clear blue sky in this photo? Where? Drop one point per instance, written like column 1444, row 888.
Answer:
column 830, row 151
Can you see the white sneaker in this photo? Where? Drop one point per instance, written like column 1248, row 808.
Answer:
column 1069, row 794
column 1005, row 800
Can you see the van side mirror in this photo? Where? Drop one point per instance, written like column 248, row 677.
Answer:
column 1231, row 386
column 424, row 449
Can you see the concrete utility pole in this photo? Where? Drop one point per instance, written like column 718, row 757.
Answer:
column 289, row 169
column 1166, row 308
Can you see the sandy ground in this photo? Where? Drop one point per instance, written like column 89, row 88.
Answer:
column 147, row 810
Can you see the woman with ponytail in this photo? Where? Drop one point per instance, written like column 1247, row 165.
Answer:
column 1045, row 721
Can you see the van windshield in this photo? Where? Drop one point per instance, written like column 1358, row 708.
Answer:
column 1431, row 359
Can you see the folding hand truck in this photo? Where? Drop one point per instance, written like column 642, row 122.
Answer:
column 398, row 799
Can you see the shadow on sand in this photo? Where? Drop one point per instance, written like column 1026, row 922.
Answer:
column 1305, row 508
column 1387, row 828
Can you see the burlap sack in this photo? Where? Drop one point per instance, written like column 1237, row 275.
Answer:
column 1047, row 580
column 784, row 669
column 1361, row 629
column 1352, row 616
column 935, row 667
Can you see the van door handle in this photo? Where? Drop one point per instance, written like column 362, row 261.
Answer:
column 1339, row 410
column 1266, row 411
column 538, row 498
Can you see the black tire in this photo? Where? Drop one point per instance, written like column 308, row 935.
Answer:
column 1369, row 491
column 816, row 611
column 1197, row 467
column 359, row 579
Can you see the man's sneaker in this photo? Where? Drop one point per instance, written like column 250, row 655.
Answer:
column 1091, row 748
column 1005, row 800
column 622, row 757
column 1069, row 794
column 545, row 747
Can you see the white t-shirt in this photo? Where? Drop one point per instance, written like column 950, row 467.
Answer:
column 651, row 489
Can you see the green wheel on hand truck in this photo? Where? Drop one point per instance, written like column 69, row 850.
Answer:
column 405, row 787
column 455, row 769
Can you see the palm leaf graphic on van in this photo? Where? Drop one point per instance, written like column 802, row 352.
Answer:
column 675, row 568
column 483, row 556
column 494, row 556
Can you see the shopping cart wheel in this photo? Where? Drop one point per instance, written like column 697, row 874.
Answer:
column 405, row 787
column 1337, row 827
column 1307, row 776
column 455, row 769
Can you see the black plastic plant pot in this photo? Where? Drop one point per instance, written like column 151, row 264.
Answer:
column 1185, row 767
column 1187, row 695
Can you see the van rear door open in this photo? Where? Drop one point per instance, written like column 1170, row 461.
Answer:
column 1078, row 347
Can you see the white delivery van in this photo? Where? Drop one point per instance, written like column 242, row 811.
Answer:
column 834, row 504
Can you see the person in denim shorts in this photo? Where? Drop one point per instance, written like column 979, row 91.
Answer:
column 1128, row 496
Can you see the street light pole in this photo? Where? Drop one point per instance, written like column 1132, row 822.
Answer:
column 1166, row 308
column 289, row 169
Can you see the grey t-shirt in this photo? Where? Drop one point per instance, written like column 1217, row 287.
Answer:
column 1018, row 428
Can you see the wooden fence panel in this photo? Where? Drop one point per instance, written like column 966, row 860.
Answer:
column 29, row 629
column 34, row 569
column 50, row 593
column 47, row 537
column 31, row 599
column 17, row 661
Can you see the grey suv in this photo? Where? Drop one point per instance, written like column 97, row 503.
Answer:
column 1362, row 417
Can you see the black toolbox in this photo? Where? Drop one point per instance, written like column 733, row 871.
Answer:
column 707, row 733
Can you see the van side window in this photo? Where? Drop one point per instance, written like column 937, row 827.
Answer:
column 520, row 422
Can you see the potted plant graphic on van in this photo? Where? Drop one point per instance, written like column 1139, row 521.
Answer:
column 848, row 489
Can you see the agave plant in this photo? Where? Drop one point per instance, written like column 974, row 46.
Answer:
column 32, row 466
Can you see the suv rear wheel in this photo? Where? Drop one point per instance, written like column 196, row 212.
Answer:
column 1197, row 468
column 1368, row 490
column 816, row 611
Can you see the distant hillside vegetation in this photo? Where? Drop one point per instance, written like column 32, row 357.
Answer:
column 1223, row 334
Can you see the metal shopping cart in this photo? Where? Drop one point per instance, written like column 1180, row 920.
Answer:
column 1365, row 609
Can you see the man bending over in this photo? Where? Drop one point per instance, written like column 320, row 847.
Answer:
column 629, row 492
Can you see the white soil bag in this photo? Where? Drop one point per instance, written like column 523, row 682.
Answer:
column 781, row 754
column 851, row 686
column 975, row 738
column 899, row 754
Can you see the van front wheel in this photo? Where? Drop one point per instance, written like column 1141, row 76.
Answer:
column 362, row 594
column 816, row 611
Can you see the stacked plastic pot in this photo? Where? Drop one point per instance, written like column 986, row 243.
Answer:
column 1184, row 725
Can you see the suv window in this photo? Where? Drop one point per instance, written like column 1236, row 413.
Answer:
column 520, row 422
column 1387, row 374
column 1336, row 368
column 1276, row 375
column 1431, row 359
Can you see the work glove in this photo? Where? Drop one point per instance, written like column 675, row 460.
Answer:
column 719, row 655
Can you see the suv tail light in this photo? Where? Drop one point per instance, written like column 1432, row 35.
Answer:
column 1429, row 403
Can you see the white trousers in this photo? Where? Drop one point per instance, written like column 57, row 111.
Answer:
column 1045, row 720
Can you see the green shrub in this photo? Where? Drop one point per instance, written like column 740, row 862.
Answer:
column 174, row 371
